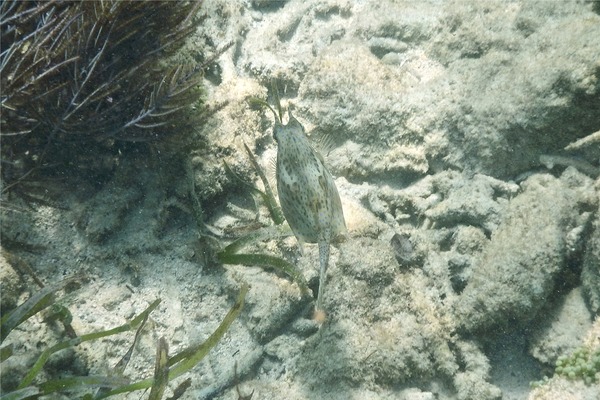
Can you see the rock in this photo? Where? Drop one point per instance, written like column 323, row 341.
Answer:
column 377, row 266
column 590, row 275
column 517, row 270
column 472, row 383
column 561, row 387
column 564, row 330
column 471, row 201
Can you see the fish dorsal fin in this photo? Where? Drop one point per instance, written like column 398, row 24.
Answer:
column 324, row 142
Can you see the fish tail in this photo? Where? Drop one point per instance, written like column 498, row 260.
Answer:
column 324, row 261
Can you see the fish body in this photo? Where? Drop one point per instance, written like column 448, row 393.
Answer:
column 307, row 193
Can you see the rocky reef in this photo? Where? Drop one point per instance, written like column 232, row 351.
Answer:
column 462, row 137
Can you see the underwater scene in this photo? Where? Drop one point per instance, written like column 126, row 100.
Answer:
column 300, row 200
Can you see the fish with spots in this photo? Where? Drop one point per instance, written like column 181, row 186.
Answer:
column 307, row 193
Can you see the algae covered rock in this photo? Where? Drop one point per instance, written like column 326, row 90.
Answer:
column 517, row 271
column 590, row 275
column 385, row 327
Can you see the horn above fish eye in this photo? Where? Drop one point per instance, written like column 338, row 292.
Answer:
column 293, row 121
